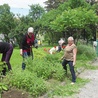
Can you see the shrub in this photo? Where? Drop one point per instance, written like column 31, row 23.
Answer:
column 59, row 73
column 39, row 53
column 47, row 67
column 28, row 81
column 86, row 52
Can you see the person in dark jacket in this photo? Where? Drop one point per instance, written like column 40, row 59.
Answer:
column 26, row 45
column 6, row 50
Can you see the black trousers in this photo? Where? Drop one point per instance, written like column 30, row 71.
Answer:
column 64, row 63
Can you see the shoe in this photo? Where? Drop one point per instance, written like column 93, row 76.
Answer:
column 72, row 83
column 23, row 66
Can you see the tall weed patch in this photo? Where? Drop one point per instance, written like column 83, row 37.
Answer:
column 28, row 81
column 85, row 52
column 47, row 67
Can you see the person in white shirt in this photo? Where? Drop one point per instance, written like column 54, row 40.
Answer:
column 56, row 49
column 53, row 49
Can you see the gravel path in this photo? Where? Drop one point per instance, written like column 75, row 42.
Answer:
column 90, row 90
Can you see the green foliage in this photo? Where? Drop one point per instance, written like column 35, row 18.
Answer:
column 3, row 87
column 38, row 53
column 2, row 66
column 6, row 20
column 86, row 52
column 67, row 90
column 27, row 80
column 77, row 18
column 95, row 7
column 36, row 12
column 47, row 68
column 77, row 3
column 45, row 25
column 53, row 4
column 70, row 18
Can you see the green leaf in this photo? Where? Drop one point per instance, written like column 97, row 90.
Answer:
column 4, row 87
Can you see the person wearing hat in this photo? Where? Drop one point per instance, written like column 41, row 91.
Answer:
column 26, row 45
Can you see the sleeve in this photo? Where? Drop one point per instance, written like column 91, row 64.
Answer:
column 74, row 46
column 23, row 41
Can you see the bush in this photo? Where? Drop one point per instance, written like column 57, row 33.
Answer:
column 47, row 67
column 59, row 73
column 86, row 52
column 28, row 81
column 39, row 53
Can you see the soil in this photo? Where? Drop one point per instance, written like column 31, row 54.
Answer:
column 14, row 93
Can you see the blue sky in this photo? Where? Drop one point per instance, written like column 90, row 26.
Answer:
column 21, row 11
column 21, row 6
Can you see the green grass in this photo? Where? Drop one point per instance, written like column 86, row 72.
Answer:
column 44, row 74
column 16, row 59
column 67, row 89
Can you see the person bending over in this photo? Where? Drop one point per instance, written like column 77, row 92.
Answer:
column 6, row 50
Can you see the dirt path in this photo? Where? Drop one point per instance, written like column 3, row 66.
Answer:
column 90, row 90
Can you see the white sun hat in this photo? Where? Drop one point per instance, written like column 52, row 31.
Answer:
column 30, row 30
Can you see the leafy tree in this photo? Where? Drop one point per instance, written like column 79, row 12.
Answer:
column 77, row 3
column 53, row 4
column 21, row 26
column 95, row 7
column 45, row 22
column 65, row 20
column 74, row 21
column 23, row 22
column 50, row 16
column 36, row 12
column 6, row 21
